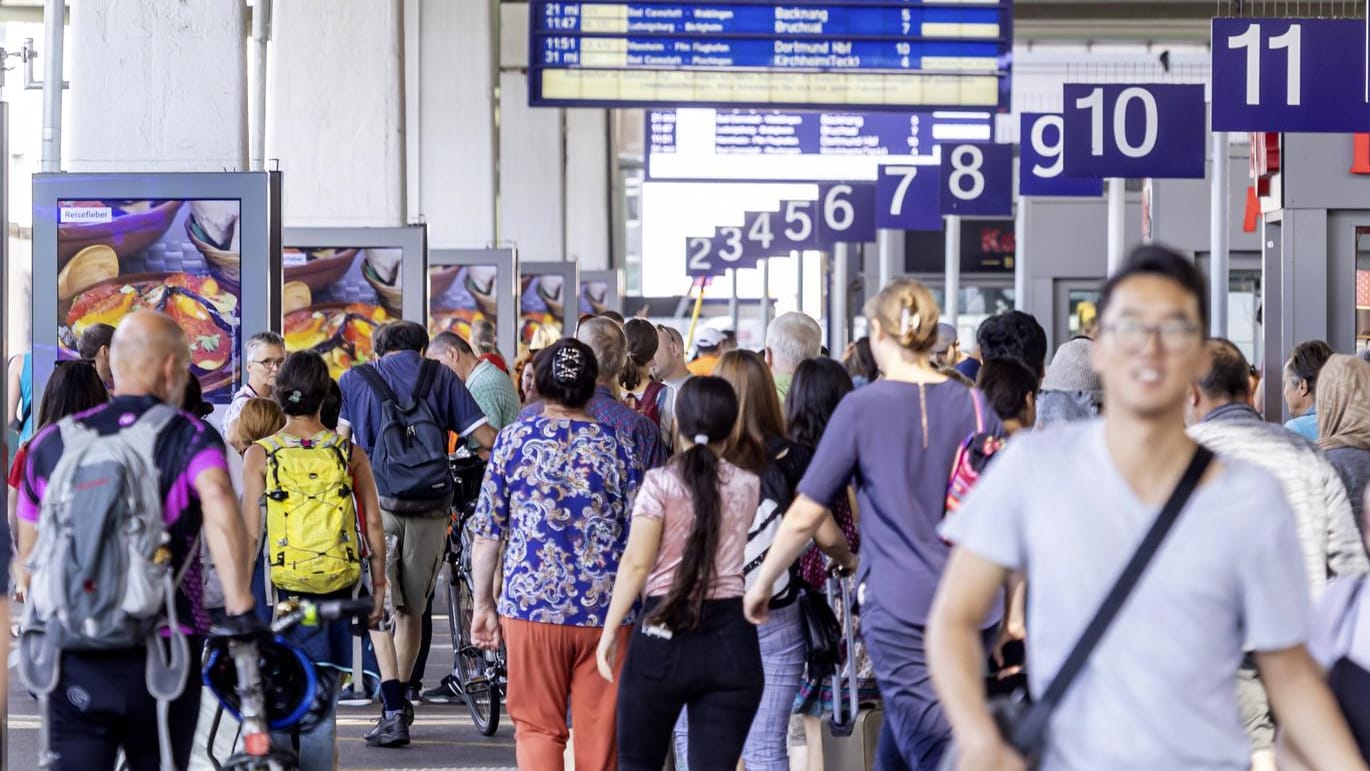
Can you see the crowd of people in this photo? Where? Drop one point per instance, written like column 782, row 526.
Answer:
column 652, row 532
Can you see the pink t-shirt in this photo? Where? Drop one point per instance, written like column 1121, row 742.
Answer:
column 665, row 497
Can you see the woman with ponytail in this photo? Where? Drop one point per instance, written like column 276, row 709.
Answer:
column 894, row 440
column 640, row 391
column 692, row 646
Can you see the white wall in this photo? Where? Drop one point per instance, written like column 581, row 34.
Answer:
column 335, row 112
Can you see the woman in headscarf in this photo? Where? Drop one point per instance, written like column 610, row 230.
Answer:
column 1343, row 406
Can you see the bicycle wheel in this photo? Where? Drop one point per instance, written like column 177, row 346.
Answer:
column 482, row 697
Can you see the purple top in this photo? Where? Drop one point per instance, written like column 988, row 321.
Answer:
column 186, row 448
column 880, row 440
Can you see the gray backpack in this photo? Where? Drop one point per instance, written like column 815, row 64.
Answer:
column 102, row 573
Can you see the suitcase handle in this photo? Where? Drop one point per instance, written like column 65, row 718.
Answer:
column 838, row 590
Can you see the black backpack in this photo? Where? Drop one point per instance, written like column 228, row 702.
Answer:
column 409, row 457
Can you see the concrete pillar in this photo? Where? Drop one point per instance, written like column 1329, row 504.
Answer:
column 335, row 112
column 157, row 86
column 454, row 168
column 587, row 188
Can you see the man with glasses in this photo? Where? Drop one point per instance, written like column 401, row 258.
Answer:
column 264, row 353
column 1069, row 507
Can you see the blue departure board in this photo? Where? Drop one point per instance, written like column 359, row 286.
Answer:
column 868, row 54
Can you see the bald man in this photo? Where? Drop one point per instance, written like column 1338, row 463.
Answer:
column 102, row 703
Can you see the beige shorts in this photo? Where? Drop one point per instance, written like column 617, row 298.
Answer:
column 420, row 540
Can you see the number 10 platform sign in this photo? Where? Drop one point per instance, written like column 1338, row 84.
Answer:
column 1130, row 131
column 1290, row 75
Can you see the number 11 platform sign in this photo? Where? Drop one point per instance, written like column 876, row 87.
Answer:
column 1290, row 75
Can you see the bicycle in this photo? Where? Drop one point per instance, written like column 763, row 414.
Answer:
column 268, row 687
column 481, row 675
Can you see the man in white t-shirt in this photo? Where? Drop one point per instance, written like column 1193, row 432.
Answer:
column 263, row 354
column 1068, row 506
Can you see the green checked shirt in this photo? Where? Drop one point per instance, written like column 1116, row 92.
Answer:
column 495, row 393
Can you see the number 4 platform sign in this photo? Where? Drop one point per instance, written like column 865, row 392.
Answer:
column 1290, row 75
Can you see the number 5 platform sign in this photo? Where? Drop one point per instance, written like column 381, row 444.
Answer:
column 1289, row 75
column 1131, row 131
column 1043, row 158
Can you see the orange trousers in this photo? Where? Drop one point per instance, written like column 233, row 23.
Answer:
column 551, row 666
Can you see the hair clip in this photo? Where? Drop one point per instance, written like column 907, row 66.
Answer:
column 567, row 364
column 701, row 438
column 296, row 396
column 908, row 320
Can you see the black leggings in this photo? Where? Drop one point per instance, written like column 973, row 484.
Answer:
column 714, row 670
column 101, row 704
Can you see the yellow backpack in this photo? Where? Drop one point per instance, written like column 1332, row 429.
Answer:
column 312, row 542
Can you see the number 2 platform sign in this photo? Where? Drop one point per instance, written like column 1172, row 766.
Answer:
column 1290, row 75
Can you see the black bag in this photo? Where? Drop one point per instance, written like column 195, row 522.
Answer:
column 822, row 635
column 409, row 456
column 1024, row 724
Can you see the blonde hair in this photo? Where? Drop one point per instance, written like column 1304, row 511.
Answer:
column 907, row 312
column 259, row 419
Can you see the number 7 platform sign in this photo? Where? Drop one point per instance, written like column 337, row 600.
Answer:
column 1289, row 75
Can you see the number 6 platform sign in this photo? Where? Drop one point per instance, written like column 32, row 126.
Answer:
column 1289, row 75
column 1130, row 131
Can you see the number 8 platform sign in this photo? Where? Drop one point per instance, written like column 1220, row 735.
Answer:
column 1131, row 131
column 977, row 179
column 1290, row 75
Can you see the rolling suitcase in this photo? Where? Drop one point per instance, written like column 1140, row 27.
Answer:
column 851, row 734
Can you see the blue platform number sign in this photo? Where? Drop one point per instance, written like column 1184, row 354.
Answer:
column 794, row 226
column 759, row 238
column 1042, row 160
column 730, row 248
column 977, row 180
column 846, row 212
column 906, row 198
column 1289, row 75
column 1133, row 131
column 699, row 257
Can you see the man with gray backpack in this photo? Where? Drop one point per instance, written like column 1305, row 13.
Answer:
column 113, row 506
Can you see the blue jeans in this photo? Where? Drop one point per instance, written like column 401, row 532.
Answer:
column 915, row 732
column 782, row 660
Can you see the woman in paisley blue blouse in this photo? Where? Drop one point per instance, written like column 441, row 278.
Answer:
column 555, row 502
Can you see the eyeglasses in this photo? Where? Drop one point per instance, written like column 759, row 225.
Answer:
column 269, row 363
column 1174, row 335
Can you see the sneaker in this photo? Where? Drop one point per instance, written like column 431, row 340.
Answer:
column 447, row 692
column 390, row 731
column 408, row 713
column 414, row 692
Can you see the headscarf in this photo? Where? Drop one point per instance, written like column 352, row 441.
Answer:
column 1343, row 402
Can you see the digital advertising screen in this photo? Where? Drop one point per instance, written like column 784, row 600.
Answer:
column 334, row 298
column 542, row 303
column 461, row 296
column 179, row 257
column 594, row 296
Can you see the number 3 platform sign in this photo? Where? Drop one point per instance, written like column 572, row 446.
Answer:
column 1289, row 75
column 1130, row 131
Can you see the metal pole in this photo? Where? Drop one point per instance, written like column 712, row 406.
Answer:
column 887, row 246
column 1218, row 258
column 765, row 294
column 838, row 322
column 798, row 257
column 1117, row 223
column 1020, row 256
column 261, row 33
column 4, row 383
column 732, row 299
column 951, row 296
column 54, row 20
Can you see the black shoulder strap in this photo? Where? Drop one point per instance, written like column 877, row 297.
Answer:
column 1030, row 734
column 428, row 374
column 373, row 378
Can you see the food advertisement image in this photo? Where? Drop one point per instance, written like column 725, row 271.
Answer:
column 594, row 297
column 542, row 300
column 461, row 295
column 116, row 257
column 335, row 297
